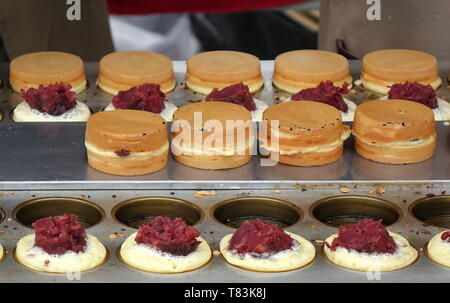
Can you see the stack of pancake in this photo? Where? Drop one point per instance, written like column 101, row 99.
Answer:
column 381, row 69
column 394, row 131
column 300, row 69
column 127, row 142
column 212, row 135
column 45, row 68
column 121, row 71
column 303, row 133
column 219, row 69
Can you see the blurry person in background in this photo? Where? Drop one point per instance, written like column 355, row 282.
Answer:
column 180, row 28
column 168, row 34
column 264, row 34
column 176, row 28
column 350, row 27
column 355, row 27
column 39, row 25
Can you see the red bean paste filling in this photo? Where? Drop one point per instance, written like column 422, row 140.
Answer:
column 416, row 92
column 260, row 237
column 168, row 235
column 367, row 236
column 55, row 99
column 446, row 236
column 122, row 153
column 57, row 235
column 326, row 93
column 147, row 97
column 237, row 93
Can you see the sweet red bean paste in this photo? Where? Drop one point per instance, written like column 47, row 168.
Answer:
column 414, row 91
column 446, row 236
column 367, row 236
column 122, row 153
column 168, row 235
column 326, row 93
column 57, row 235
column 237, row 93
column 147, row 97
column 260, row 237
column 54, row 99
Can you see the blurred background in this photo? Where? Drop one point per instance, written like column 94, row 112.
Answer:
column 176, row 28
column 264, row 33
column 181, row 28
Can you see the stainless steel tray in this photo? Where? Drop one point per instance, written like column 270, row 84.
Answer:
column 48, row 159
column 41, row 155
column 218, row 270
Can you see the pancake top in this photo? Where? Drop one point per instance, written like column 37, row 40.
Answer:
column 220, row 119
column 401, row 65
column 213, row 110
column 312, row 66
column 384, row 121
column 136, row 66
column 412, row 113
column 131, row 124
column 47, row 67
column 223, row 66
column 304, row 116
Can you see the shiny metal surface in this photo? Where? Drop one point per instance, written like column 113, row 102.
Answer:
column 234, row 212
column 432, row 210
column 138, row 211
column 45, row 155
column 88, row 213
column 218, row 270
column 48, row 160
column 349, row 209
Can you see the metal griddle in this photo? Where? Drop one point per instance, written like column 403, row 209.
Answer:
column 49, row 160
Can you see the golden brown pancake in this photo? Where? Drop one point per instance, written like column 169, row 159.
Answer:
column 219, row 69
column 300, row 69
column 394, row 131
column 44, row 68
column 381, row 69
column 309, row 133
column 123, row 70
column 127, row 142
column 216, row 155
